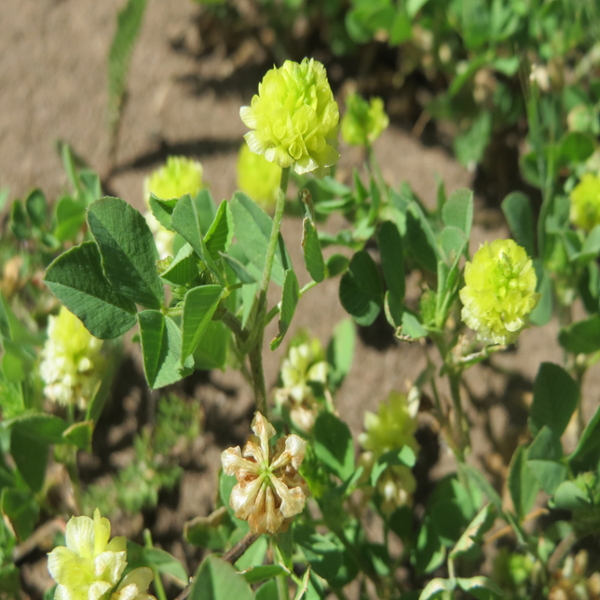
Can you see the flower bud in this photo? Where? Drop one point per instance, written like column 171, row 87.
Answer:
column 364, row 121
column 499, row 292
column 392, row 427
column 304, row 363
column 585, row 203
column 90, row 567
column 71, row 364
column 294, row 117
column 177, row 177
column 258, row 177
column 269, row 491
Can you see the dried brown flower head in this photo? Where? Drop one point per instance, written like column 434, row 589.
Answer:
column 269, row 491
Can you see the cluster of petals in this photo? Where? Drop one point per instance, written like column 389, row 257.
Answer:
column 294, row 118
column 364, row 121
column 305, row 363
column 584, row 211
column 393, row 427
column 499, row 292
column 90, row 566
column 269, row 490
column 71, row 365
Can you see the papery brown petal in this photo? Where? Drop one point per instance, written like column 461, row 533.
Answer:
column 292, row 499
column 232, row 462
column 264, row 430
column 245, row 498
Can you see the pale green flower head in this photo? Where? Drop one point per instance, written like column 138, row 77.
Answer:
column 179, row 176
column 392, row 427
column 499, row 292
column 258, row 177
column 304, row 363
column 364, row 121
column 294, row 117
column 72, row 364
column 90, row 566
column 585, row 203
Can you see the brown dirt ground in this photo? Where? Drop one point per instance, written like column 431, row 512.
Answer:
column 52, row 82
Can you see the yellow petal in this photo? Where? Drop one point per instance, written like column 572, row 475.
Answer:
column 80, row 536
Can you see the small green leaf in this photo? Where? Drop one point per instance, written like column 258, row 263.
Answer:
column 333, row 445
column 21, row 509
column 199, row 306
column 80, row 435
column 569, row 496
column 166, row 564
column 128, row 251
column 77, row 280
column 218, row 237
column 586, row 455
column 211, row 352
column 420, row 238
column 480, row 587
column 542, row 313
column 519, row 215
column 468, row 541
column 290, row 294
column 218, row 580
column 545, row 459
column 252, row 228
column 555, row 396
column 129, row 23
column 576, row 147
column 582, row 337
column 313, row 257
column 18, row 221
column 161, row 347
column 436, row 587
column 240, row 270
column 186, row 221
column 392, row 259
column 263, row 573
column 183, row 269
column 361, row 292
column 340, row 352
column 458, row 211
column 522, row 483
column 163, row 210
column 322, row 552
column 37, row 207
column 70, row 216
column 337, row 264
column 483, row 484
column 404, row 456
column 411, row 327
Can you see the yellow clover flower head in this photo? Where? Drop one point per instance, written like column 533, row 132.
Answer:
column 269, row 491
column 304, row 363
column 392, row 427
column 258, row 177
column 585, row 203
column 177, row 177
column 294, row 118
column 71, row 364
column 499, row 292
column 90, row 566
column 364, row 121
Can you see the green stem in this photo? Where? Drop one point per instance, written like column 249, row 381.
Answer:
column 277, row 218
column 158, row 584
column 234, row 324
column 460, row 441
column 283, row 591
column 255, row 352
